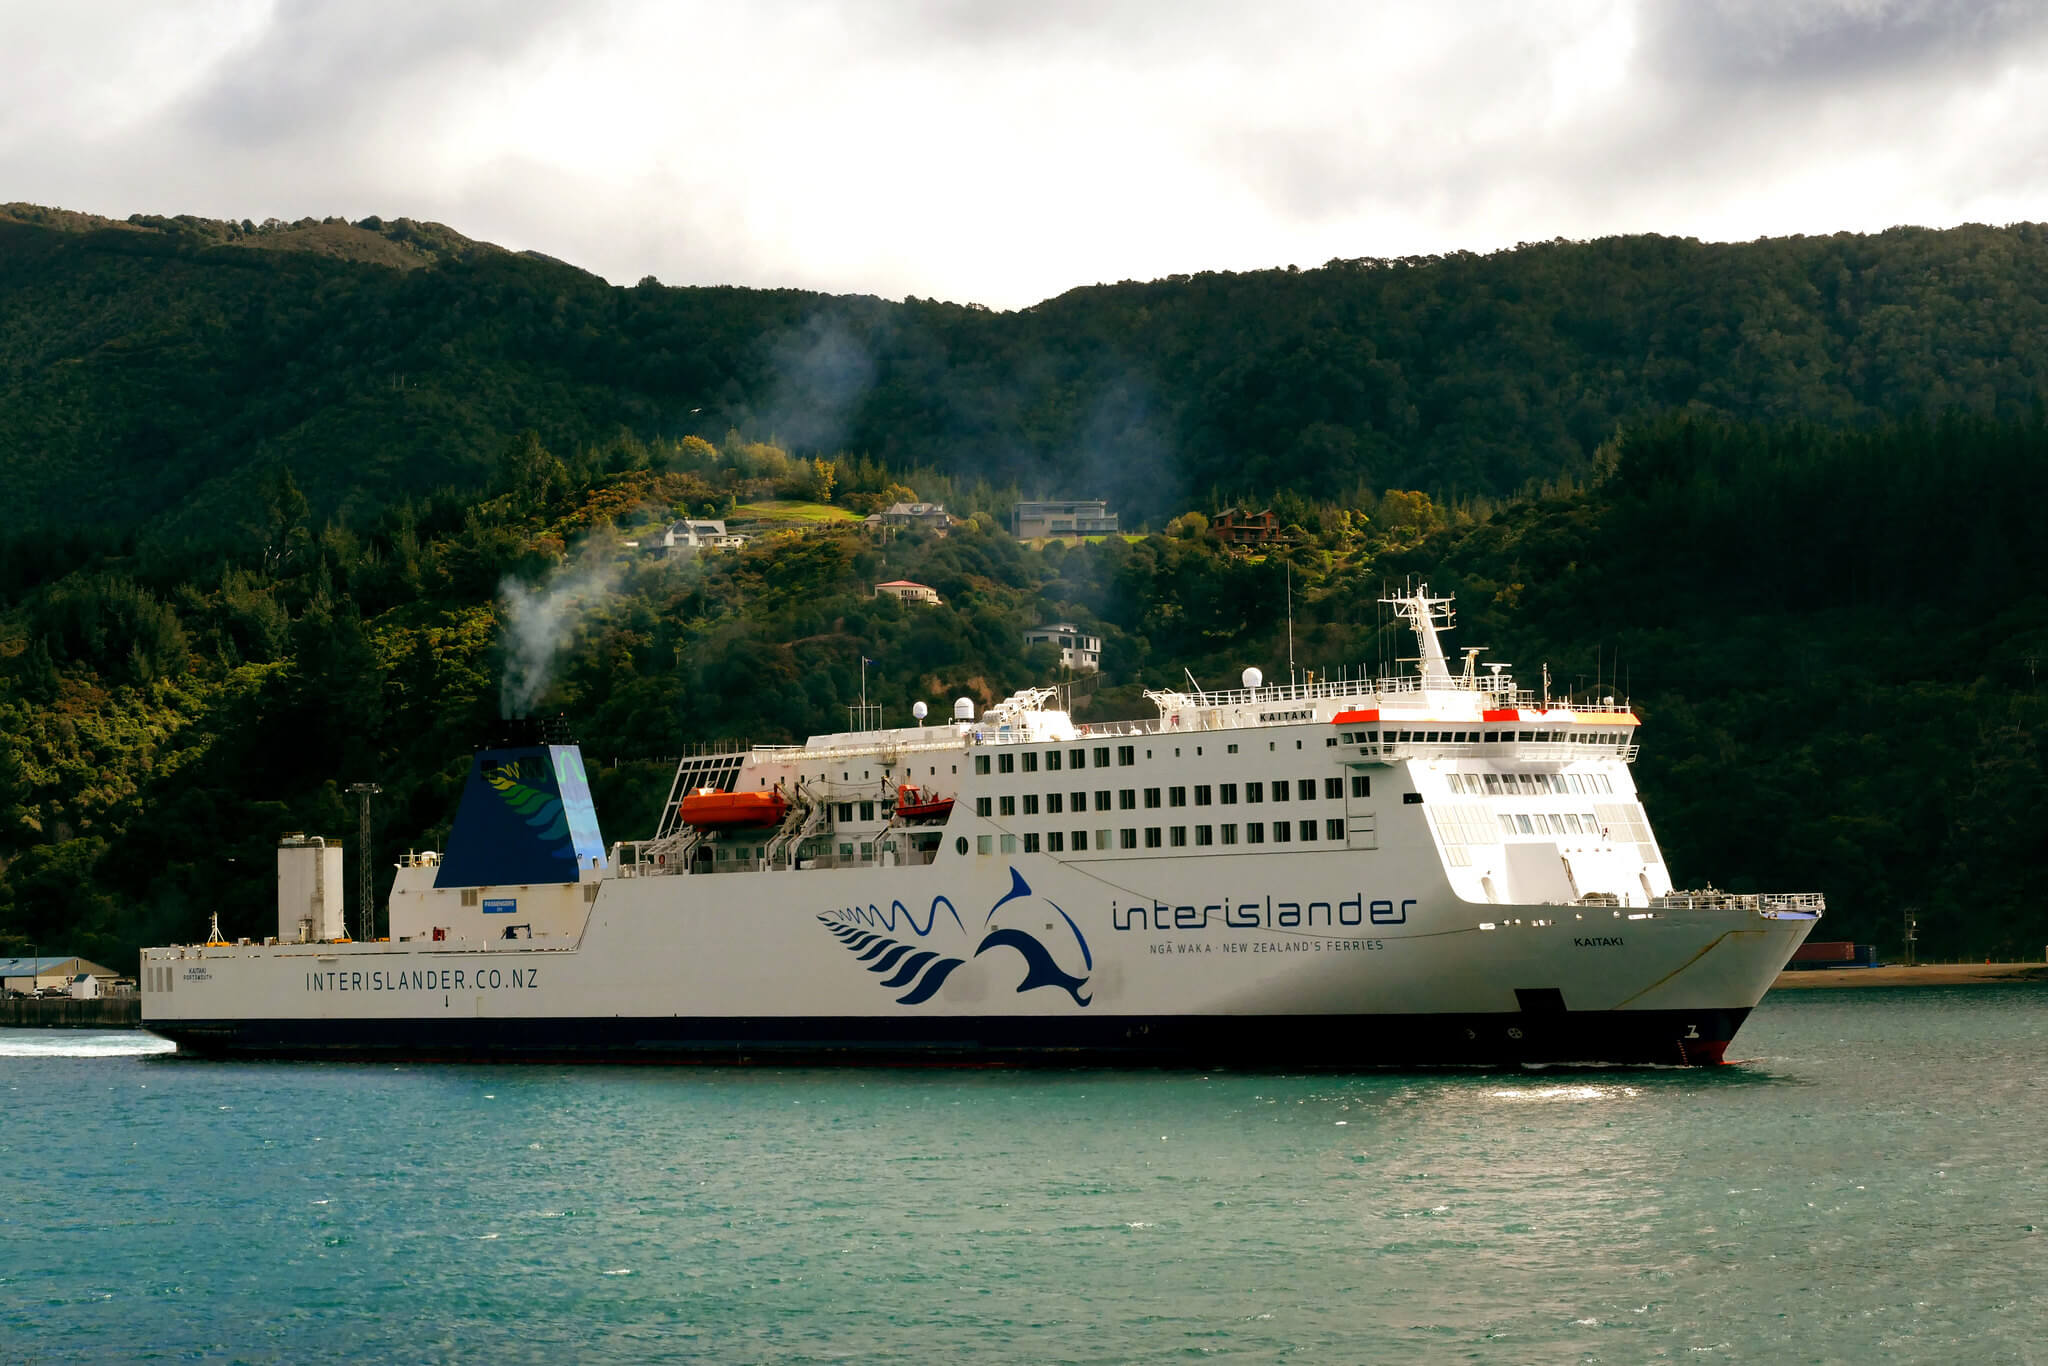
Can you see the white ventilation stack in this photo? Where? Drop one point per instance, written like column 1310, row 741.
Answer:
column 309, row 890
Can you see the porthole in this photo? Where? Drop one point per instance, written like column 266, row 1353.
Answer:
column 960, row 845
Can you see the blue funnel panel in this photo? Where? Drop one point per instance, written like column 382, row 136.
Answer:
column 526, row 817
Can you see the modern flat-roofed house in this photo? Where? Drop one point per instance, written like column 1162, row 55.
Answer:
column 1235, row 526
column 907, row 591
column 1031, row 521
column 1078, row 651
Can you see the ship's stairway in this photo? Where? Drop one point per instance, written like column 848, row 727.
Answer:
column 806, row 817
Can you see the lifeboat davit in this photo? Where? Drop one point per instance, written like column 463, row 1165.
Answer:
column 709, row 809
column 915, row 805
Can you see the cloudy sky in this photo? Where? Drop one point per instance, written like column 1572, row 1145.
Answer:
column 1004, row 152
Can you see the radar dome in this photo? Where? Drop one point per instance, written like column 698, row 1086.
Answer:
column 963, row 710
column 1253, row 678
column 918, row 710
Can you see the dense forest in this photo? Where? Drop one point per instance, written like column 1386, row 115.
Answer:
column 1818, row 579
column 151, row 370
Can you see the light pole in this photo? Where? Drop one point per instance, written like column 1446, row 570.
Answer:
column 366, row 914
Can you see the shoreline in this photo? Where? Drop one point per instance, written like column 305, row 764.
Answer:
column 1919, row 975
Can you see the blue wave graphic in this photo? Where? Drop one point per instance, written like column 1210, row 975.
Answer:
column 900, row 965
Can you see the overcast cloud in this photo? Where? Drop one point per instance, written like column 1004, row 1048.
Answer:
column 1003, row 153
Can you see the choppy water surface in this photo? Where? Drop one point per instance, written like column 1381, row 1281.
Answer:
column 1871, row 1186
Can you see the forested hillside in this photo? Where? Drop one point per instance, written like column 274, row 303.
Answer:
column 282, row 498
column 151, row 372
column 1834, row 640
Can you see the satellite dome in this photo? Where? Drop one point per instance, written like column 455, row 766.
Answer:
column 1253, row 678
column 963, row 710
column 918, row 710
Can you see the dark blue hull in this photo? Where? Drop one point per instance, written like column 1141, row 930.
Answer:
column 1682, row 1038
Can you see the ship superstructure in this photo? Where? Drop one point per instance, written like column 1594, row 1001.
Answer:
column 1433, row 867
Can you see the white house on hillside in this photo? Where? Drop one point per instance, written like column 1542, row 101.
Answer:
column 1080, row 652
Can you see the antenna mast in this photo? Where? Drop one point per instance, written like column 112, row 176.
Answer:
column 1290, row 624
column 366, row 910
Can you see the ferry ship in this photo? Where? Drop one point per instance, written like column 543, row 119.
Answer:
column 1436, row 867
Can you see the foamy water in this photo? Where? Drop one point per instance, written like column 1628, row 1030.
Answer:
column 81, row 1043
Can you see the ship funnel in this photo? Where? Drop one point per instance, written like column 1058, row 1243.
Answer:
column 526, row 817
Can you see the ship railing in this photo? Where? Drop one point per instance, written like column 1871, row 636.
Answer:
column 1762, row 903
column 1502, row 749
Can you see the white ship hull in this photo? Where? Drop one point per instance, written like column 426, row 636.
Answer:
column 1421, row 871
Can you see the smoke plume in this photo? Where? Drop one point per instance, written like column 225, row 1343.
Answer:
column 539, row 622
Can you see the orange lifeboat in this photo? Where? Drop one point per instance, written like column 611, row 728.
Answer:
column 709, row 809
column 915, row 805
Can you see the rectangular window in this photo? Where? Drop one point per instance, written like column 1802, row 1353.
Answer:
column 1151, row 837
column 1282, row 832
column 1201, row 794
column 1077, row 759
column 1205, row 834
column 1281, row 791
column 1009, row 844
column 1507, row 825
column 867, row 853
column 1102, row 756
column 1361, row 785
column 1178, row 837
column 1227, row 794
column 1054, row 803
column 1081, row 842
column 1571, row 823
column 1255, row 792
column 1177, row 796
column 1333, row 830
column 1077, row 801
column 1006, row 763
column 1031, row 803
column 846, row 813
column 1055, row 842
column 1102, row 799
column 1151, row 798
column 984, row 844
column 1030, row 843
column 1255, row 833
column 984, row 806
column 1009, row 806
column 1333, row 788
column 981, row 763
column 1522, row 823
column 1306, row 789
column 1557, row 825
column 1308, row 831
column 1127, row 799
column 1052, row 761
column 1126, row 755
column 867, row 811
column 1230, row 834
column 1030, row 761
column 1127, row 839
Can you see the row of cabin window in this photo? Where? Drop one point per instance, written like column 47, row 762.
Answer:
column 1077, row 759
column 1223, row 794
column 1528, row 784
column 1549, row 823
column 1475, row 737
column 1156, row 837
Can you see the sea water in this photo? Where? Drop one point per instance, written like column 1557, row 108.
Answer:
column 1870, row 1185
